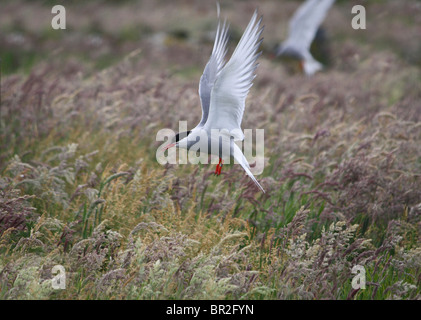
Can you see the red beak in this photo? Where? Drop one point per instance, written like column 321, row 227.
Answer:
column 169, row 146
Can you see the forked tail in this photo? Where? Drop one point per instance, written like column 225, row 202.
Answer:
column 241, row 159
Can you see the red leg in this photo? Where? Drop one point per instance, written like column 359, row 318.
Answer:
column 219, row 167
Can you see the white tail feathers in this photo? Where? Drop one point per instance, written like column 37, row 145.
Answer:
column 311, row 66
column 241, row 159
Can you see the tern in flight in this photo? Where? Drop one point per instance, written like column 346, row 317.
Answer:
column 223, row 89
column 302, row 30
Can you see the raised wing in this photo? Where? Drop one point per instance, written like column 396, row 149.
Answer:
column 212, row 69
column 233, row 83
column 305, row 22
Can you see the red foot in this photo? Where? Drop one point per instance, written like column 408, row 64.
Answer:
column 219, row 167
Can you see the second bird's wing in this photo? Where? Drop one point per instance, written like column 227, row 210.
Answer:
column 305, row 22
column 213, row 67
column 233, row 83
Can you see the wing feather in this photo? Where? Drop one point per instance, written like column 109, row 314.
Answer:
column 305, row 22
column 227, row 100
column 213, row 67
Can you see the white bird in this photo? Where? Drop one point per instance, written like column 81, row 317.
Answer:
column 223, row 90
column 302, row 30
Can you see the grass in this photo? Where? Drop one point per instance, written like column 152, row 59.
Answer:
column 80, row 185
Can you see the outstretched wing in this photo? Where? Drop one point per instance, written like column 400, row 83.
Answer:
column 233, row 83
column 305, row 22
column 212, row 69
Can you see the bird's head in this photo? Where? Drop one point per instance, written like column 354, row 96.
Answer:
column 289, row 52
column 178, row 140
column 273, row 51
column 292, row 58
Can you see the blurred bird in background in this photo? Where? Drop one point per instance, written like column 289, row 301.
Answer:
column 303, row 31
